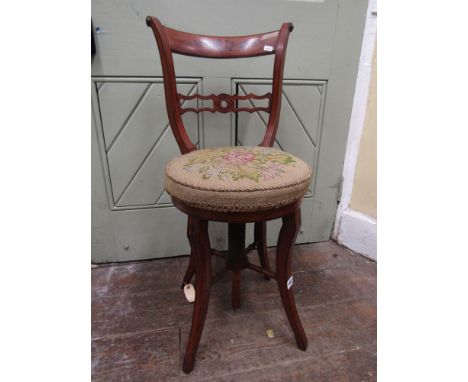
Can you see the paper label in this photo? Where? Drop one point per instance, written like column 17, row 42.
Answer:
column 290, row 282
column 268, row 48
column 189, row 292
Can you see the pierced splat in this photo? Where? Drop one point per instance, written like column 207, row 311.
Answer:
column 224, row 103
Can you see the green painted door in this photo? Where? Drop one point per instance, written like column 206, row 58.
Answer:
column 133, row 217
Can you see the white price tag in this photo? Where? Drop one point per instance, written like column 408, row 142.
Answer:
column 268, row 48
column 290, row 282
column 189, row 292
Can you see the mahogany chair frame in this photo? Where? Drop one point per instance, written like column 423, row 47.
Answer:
column 170, row 41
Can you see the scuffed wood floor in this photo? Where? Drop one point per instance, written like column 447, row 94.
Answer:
column 141, row 321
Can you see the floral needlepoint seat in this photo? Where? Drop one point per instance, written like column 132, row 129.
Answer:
column 237, row 178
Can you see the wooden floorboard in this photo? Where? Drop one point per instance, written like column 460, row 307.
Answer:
column 141, row 321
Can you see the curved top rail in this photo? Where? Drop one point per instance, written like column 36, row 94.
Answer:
column 197, row 45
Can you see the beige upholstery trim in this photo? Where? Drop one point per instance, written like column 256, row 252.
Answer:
column 237, row 201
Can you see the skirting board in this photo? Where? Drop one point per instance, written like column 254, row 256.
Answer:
column 358, row 232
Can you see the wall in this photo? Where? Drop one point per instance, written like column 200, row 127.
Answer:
column 356, row 218
column 364, row 195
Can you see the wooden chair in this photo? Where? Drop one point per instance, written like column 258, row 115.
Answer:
column 235, row 185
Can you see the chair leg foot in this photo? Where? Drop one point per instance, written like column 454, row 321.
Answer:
column 261, row 240
column 287, row 237
column 197, row 232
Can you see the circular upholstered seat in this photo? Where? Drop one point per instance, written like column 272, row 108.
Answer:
column 237, row 178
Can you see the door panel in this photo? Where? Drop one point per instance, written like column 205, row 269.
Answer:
column 128, row 96
column 133, row 218
column 138, row 140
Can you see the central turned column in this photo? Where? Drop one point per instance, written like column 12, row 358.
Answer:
column 237, row 258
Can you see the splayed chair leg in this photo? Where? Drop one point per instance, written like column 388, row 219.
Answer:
column 287, row 237
column 197, row 232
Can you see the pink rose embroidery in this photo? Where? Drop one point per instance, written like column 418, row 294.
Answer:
column 239, row 157
column 254, row 163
